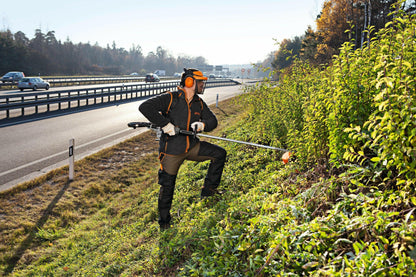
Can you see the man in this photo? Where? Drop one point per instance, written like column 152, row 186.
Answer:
column 187, row 111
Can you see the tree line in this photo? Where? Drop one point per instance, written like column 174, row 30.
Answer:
column 45, row 55
column 339, row 21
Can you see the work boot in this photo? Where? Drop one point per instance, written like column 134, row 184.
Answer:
column 167, row 187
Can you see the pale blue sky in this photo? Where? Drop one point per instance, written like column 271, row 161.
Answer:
column 224, row 32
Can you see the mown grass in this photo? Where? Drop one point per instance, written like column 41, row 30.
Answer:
column 114, row 187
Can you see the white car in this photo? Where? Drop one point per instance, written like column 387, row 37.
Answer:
column 32, row 83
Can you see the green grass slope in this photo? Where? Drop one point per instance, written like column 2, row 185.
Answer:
column 344, row 206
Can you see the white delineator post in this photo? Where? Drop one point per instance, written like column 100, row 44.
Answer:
column 71, row 159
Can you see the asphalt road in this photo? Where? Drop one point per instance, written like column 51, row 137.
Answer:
column 31, row 149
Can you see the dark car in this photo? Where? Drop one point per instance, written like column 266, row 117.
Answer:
column 151, row 77
column 12, row 77
column 32, row 83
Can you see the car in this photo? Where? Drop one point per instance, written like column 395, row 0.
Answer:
column 151, row 77
column 134, row 74
column 32, row 83
column 12, row 76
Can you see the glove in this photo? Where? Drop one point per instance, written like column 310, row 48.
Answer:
column 169, row 129
column 198, row 126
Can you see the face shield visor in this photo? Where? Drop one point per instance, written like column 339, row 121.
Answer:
column 200, row 86
column 200, row 81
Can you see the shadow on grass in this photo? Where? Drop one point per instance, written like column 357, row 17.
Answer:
column 221, row 110
column 12, row 262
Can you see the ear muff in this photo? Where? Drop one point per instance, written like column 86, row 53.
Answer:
column 189, row 82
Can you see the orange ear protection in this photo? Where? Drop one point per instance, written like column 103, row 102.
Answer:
column 189, row 77
column 189, row 82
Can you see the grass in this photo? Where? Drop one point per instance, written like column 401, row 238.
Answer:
column 40, row 217
column 272, row 220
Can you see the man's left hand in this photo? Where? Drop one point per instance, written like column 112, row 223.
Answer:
column 198, row 126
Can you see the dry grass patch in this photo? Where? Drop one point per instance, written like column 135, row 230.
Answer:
column 38, row 212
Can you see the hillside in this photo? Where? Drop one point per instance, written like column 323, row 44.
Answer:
column 343, row 206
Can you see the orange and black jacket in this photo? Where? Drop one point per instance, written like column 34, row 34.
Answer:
column 174, row 108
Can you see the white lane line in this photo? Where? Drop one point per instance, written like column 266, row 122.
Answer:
column 60, row 153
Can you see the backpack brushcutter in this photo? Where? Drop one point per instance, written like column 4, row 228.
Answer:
column 178, row 131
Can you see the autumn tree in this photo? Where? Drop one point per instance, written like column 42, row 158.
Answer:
column 289, row 49
column 349, row 20
column 309, row 46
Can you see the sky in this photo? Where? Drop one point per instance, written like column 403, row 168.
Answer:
column 222, row 31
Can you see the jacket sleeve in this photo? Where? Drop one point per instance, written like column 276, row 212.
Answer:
column 208, row 118
column 152, row 109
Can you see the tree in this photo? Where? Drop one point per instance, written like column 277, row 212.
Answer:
column 7, row 51
column 45, row 55
column 21, row 39
column 332, row 23
column 310, row 43
column 338, row 16
column 288, row 50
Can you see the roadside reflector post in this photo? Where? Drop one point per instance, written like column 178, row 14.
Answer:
column 71, row 159
column 216, row 103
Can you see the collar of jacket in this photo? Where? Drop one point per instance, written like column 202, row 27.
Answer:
column 181, row 93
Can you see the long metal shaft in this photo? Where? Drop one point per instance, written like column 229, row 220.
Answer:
column 243, row 142
column 191, row 133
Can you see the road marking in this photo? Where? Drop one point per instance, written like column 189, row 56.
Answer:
column 60, row 153
column 50, row 116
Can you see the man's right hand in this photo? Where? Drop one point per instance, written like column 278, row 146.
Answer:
column 169, row 129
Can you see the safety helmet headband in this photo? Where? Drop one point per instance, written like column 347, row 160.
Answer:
column 189, row 77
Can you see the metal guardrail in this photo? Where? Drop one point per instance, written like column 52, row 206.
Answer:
column 68, row 81
column 17, row 105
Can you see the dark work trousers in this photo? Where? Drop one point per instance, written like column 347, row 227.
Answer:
column 170, row 165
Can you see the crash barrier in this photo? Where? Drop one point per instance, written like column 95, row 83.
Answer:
column 67, row 81
column 42, row 102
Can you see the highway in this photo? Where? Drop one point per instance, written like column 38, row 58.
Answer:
column 33, row 148
column 17, row 92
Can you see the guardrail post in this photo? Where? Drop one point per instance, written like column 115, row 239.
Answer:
column 7, row 111
column 79, row 101
column 69, row 100
column 23, row 108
